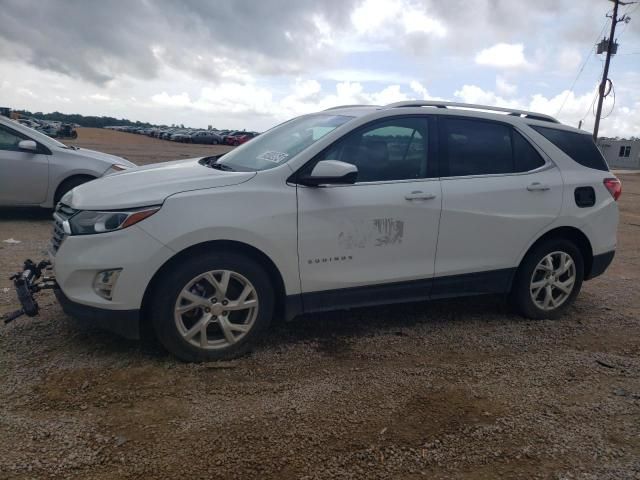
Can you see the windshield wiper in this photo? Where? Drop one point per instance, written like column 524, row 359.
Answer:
column 221, row 166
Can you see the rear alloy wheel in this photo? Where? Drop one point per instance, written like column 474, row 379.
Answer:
column 212, row 306
column 548, row 280
column 552, row 281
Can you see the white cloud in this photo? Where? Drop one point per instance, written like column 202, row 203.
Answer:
column 179, row 100
column 100, row 97
column 363, row 75
column 503, row 55
column 417, row 21
column 504, row 87
column 418, row 88
column 380, row 16
column 475, row 94
column 568, row 59
column 26, row 92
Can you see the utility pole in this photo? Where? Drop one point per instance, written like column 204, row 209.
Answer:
column 610, row 50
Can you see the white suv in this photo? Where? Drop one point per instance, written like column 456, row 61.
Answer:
column 352, row 206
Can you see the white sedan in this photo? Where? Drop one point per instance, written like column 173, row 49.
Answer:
column 36, row 170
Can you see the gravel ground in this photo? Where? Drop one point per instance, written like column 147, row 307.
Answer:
column 455, row 389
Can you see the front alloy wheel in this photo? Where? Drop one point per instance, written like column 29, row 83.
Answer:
column 211, row 305
column 216, row 309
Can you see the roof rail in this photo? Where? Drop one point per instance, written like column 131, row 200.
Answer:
column 347, row 106
column 441, row 104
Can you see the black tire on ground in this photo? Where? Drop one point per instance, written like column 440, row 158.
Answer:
column 168, row 289
column 236, row 143
column 214, row 142
column 521, row 297
column 70, row 184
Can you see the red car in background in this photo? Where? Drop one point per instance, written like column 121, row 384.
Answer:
column 238, row 138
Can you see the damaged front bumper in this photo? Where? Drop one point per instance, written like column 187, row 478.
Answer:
column 37, row 277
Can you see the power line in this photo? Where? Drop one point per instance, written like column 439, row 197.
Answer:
column 613, row 92
column 584, row 64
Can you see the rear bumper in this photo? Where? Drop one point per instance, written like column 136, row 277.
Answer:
column 600, row 263
column 125, row 323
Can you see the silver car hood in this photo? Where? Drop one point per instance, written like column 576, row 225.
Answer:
column 107, row 158
column 149, row 185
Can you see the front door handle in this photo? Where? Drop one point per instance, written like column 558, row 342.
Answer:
column 418, row 195
column 538, row 187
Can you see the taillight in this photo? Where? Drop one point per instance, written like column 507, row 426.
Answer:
column 614, row 186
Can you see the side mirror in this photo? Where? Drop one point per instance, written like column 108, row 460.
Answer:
column 28, row 145
column 330, row 172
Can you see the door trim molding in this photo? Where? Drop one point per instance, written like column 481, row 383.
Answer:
column 466, row 284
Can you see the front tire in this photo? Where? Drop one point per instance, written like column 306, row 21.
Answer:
column 212, row 306
column 69, row 184
column 548, row 279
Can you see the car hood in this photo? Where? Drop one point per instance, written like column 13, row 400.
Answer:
column 107, row 158
column 150, row 185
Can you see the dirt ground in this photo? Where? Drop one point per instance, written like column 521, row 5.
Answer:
column 458, row 389
column 140, row 149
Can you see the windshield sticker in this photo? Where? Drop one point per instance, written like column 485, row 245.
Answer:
column 275, row 157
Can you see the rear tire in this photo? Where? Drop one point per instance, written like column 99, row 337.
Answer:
column 198, row 311
column 548, row 279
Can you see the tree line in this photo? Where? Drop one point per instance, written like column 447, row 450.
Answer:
column 82, row 120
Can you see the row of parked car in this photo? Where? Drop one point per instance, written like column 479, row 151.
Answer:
column 190, row 135
column 50, row 128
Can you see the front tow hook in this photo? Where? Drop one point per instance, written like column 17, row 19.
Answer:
column 28, row 282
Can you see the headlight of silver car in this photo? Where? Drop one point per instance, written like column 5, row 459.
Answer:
column 89, row 222
column 115, row 168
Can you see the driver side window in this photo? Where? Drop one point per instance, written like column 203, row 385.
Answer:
column 387, row 150
column 9, row 141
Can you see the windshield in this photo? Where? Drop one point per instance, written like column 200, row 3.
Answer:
column 280, row 144
column 40, row 137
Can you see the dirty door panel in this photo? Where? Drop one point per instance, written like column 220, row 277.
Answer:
column 367, row 234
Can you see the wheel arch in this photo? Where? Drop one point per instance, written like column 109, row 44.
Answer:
column 573, row 234
column 66, row 179
column 220, row 245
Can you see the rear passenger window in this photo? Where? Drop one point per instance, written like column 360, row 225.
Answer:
column 473, row 147
column 526, row 157
column 579, row 146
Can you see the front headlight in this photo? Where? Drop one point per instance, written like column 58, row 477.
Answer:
column 115, row 168
column 88, row 222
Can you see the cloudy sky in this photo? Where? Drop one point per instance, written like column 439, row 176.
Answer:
column 253, row 63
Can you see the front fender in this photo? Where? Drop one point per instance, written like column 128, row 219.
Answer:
column 268, row 223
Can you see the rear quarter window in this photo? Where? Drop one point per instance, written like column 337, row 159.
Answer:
column 579, row 146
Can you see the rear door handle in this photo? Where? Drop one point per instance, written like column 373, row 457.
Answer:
column 538, row 187
column 418, row 195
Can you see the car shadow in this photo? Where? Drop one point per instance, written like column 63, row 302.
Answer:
column 330, row 331
column 25, row 213
column 325, row 327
